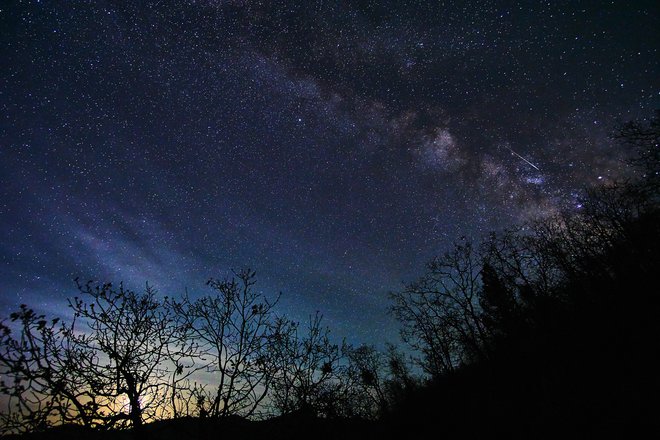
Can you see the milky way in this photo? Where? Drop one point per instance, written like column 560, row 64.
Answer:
column 331, row 146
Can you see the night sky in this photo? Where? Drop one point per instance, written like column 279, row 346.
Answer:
column 332, row 146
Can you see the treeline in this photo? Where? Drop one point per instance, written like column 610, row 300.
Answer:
column 550, row 325
column 548, row 329
column 126, row 358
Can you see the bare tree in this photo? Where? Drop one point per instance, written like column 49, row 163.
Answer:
column 440, row 312
column 368, row 381
column 128, row 338
column 37, row 365
column 185, row 359
column 644, row 138
column 112, row 365
column 232, row 329
column 309, row 368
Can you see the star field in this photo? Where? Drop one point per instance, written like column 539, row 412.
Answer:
column 331, row 146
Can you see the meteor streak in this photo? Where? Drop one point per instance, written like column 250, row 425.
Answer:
column 531, row 164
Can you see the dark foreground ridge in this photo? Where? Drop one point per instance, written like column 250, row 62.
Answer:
column 285, row 427
column 424, row 424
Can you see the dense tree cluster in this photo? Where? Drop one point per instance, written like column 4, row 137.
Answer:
column 552, row 321
column 550, row 325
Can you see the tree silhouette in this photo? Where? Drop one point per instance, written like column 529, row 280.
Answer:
column 644, row 139
column 127, row 345
column 109, row 367
column 37, row 361
column 368, row 379
column 498, row 304
column 568, row 311
column 440, row 312
column 309, row 372
column 549, row 326
column 232, row 329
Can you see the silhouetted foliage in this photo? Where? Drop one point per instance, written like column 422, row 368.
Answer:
column 308, row 375
column 112, row 372
column 440, row 311
column 368, row 380
column 540, row 330
column 566, row 330
column 128, row 343
column 36, row 359
column 644, row 139
column 232, row 329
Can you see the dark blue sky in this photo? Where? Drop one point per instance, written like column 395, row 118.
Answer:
column 333, row 147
